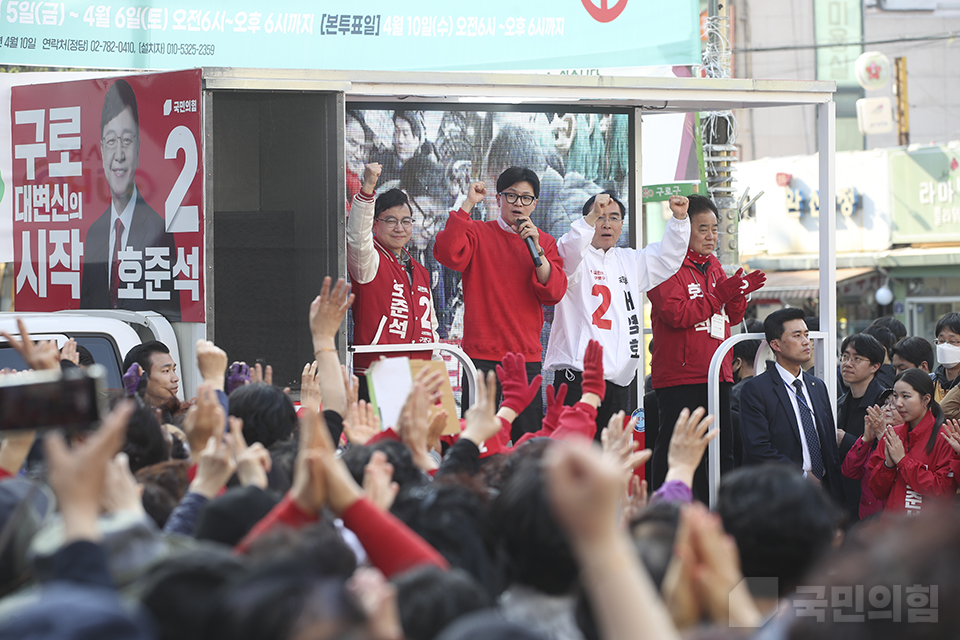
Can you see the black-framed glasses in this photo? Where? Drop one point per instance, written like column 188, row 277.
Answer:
column 392, row 222
column 512, row 198
column 938, row 342
column 124, row 141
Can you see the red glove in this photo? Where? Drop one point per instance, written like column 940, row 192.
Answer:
column 755, row 280
column 517, row 392
column 735, row 285
column 593, row 381
column 554, row 406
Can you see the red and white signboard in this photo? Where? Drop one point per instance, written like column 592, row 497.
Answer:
column 107, row 195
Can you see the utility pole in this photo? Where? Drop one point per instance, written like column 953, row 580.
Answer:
column 718, row 131
column 903, row 107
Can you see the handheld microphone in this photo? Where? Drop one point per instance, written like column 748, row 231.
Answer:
column 531, row 247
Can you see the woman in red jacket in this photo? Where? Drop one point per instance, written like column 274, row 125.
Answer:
column 912, row 466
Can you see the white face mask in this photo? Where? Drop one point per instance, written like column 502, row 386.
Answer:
column 948, row 355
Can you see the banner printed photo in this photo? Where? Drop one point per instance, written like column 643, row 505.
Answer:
column 107, row 195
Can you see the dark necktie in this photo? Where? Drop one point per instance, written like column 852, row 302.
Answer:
column 115, row 264
column 809, row 432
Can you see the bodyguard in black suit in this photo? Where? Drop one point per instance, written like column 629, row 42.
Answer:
column 129, row 223
column 785, row 414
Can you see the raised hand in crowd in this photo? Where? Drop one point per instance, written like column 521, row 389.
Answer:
column 378, row 481
column 704, row 577
column 689, row 441
column 69, row 352
column 259, row 373
column 950, row 432
column 371, row 174
column 584, row 491
column 253, row 461
column 204, row 420
column 212, row 363
column 593, row 383
column 620, row 451
column 361, row 423
column 311, row 397
column 438, row 420
column 517, row 392
column 131, row 379
column 77, row 475
column 327, row 312
column 215, row 466
column 475, row 194
column 414, row 423
column 634, row 501
column 351, row 384
column 121, row 492
column 481, row 419
column 555, row 405
column 38, row 356
column 237, row 375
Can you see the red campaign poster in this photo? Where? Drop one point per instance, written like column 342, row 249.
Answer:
column 108, row 195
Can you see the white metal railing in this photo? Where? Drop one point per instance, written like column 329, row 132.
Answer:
column 713, row 399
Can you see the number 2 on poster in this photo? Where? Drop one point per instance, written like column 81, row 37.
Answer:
column 182, row 219
column 604, row 292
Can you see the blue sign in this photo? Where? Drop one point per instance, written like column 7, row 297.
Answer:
column 497, row 35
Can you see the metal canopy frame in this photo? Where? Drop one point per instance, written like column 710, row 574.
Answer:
column 643, row 95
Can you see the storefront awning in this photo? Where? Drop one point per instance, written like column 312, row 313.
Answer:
column 805, row 285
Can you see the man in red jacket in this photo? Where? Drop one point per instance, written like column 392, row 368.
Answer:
column 691, row 315
column 503, row 292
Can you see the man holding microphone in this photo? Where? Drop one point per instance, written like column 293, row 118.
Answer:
column 510, row 270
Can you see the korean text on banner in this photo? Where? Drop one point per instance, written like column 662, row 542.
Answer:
column 107, row 195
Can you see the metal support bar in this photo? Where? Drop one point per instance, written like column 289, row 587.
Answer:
column 456, row 351
column 826, row 352
column 713, row 397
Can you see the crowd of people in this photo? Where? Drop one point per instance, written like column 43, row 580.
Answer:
column 240, row 515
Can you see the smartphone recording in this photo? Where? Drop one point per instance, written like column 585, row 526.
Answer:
column 51, row 399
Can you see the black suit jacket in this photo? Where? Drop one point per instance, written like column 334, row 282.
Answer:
column 770, row 432
column 147, row 229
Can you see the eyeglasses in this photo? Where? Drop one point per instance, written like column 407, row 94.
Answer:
column 111, row 143
column 955, row 343
column 857, row 360
column 512, row 198
column 392, row 222
column 609, row 219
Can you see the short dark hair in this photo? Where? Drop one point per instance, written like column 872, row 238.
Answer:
column 773, row 323
column 613, row 196
column 883, row 335
column 701, row 204
column 949, row 321
column 423, row 176
column 430, row 598
column 915, row 350
column 746, row 350
column 865, row 345
column 513, row 175
column 145, row 442
column 388, row 200
column 119, row 96
column 535, row 545
column 142, row 353
column 895, row 326
column 406, row 473
column 780, row 521
column 267, row 412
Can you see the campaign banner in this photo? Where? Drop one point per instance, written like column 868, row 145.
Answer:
column 415, row 35
column 107, row 195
